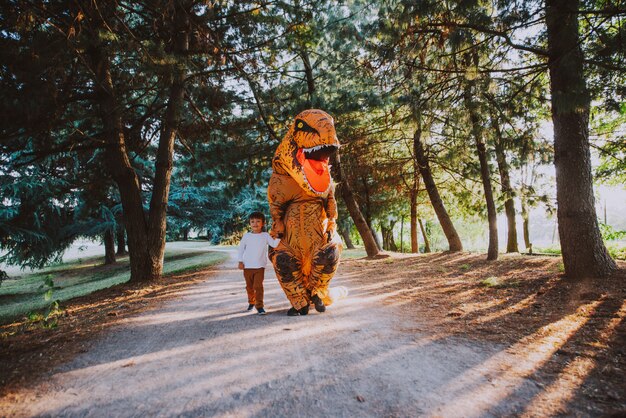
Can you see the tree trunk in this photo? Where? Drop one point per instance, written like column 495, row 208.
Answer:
column 121, row 240
column 414, row 243
column 426, row 242
column 345, row 234
column 454, row 242
column 402, row 234
column 507, row 190
column 353, row 208
column 119, row 165
column 384, row 234
column 387, row 233
column 146, row 235
column 392, row 242
column 185, row 234
column 584, row 253
column 525, row 228
column 492, row 215
column 109, row 247
column 368, row 216
column 376, row 239
column 165, row 152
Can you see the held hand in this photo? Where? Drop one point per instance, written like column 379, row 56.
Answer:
column 278, row 229
column 240, row 265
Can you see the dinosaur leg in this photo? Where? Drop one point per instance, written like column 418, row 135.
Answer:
column 325, row 264
column 289, row 273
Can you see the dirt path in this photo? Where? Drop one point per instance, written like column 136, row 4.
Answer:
column 202, row 355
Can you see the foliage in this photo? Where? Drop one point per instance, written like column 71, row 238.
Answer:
column 490, row 282
column 384, row 70
column 610, row 234
column 617, row 251
column 609, row 129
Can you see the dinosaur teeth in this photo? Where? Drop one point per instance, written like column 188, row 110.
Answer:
column 315, row 148
column 319, row 152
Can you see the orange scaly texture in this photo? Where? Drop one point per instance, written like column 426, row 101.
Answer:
column 302, row 201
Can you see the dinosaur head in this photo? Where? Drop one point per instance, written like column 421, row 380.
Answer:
column 305, row 150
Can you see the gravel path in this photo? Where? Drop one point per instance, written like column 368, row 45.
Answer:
column 201, row 354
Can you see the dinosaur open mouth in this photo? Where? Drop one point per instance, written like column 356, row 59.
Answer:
column 314, row 162
column 320, row 152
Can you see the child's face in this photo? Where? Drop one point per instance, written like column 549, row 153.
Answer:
column 256, row 225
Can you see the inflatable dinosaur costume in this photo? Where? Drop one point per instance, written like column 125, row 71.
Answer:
column 303, row 208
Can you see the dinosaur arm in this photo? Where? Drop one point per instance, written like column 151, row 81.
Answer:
column 279, row 194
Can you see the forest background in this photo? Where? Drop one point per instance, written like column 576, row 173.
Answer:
column 135, row 122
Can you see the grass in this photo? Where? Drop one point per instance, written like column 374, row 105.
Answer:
column 490, row 282
column 347, row 254
column 617, row 250
column 25, row 294
column 547, row 250
column 497, row 283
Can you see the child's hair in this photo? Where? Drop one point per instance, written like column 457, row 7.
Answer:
column 257, row 215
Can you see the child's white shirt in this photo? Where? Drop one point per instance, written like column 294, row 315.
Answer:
column 252, row 251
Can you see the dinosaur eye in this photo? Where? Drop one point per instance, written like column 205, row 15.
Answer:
column 301, row 126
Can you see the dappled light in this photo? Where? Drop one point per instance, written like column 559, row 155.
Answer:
column 201, row 351
column 555, row 397
column 509, row 373
column 528, row 305
column 432, row 191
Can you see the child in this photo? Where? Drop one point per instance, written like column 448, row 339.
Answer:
column 253, row 258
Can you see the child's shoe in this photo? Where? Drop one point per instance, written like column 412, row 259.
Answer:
column 261, row 311
column 251, row 306
column 293, row 312
column 304, row 310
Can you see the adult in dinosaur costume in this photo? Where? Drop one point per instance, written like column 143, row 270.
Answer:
column 302, row 202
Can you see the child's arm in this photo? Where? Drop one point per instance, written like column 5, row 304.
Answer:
column 272, row 242
column 240, row 251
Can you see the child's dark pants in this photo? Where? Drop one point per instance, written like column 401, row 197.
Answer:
column 254, row 286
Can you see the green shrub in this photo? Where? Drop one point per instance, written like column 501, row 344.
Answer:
column 548, row 250
column 496, row 283
column 617, row 251
column 490, row 282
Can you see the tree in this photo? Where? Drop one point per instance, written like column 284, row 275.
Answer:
column 584, row 252
column 507, row 189
column 485, row 173
column 454, row 242
column 371, row 248
column 570, row 107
